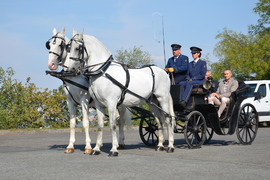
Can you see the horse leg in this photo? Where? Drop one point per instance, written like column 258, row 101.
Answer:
column 170, row 121
column 85, row 108
column 100, row 115
column 72, row 123
column 157, row 115
column 112, row 113
column 125, row 116
column 167, row 106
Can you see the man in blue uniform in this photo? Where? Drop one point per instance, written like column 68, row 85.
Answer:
column 177, row 65
column 195, row 75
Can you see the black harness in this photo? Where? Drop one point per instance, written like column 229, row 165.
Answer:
column 102, row 70
column 62, row 76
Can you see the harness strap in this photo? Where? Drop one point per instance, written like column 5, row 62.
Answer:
column 65, row 85
column 124, row 91
column 131, row 92
column 103, row 68
column 61, row 76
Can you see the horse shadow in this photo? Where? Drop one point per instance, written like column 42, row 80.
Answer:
column 105, row 148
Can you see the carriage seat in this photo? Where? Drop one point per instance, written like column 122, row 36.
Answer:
column 199, row 90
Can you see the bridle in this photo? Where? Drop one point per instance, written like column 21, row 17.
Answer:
column 81, row 50
column 62, row 46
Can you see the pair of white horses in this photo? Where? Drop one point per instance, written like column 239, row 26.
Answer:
column 107, row 80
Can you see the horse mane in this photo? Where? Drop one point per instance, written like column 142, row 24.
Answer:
column 98, row 49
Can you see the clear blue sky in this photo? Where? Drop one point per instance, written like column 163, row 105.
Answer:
column 25, row 26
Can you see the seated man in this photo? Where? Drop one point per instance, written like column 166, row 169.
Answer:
column 195, row 75
column 225, row 88
column 214, row 86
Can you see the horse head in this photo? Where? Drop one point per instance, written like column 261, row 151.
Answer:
column 86, row 49
column 57, row 49
column 77, row 52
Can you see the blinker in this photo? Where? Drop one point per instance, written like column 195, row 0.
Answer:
column 48, row 45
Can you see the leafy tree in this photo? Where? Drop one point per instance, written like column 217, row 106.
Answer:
column 248, row 56
column 54, row 108
column 133, row 57
column 25, row 106
column 263, row 10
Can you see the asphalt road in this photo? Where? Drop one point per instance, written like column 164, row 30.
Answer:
column 31, row 155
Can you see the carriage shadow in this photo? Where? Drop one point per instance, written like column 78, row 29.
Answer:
column 181, row 143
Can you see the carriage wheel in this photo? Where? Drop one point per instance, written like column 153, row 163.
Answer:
column 148, row 129
column 195, row 129
column 247, row 124
column 209, row 134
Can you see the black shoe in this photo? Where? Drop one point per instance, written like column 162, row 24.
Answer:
column 183, row 104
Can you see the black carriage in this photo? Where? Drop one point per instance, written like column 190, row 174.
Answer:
column 199, row 120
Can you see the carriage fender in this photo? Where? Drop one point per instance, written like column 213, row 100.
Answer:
column 211, row 116
column 208, row 111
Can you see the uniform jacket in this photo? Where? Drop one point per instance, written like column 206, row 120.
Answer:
column 197, row 71
column 232, row 86
column 180, row 67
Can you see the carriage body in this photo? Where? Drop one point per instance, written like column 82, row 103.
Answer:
column 199, row 120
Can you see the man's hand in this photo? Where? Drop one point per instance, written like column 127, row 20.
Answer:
column 166, row 69
column 170, row 69
column 216, row 95
column 189, row 79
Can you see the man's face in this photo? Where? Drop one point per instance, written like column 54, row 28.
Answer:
column 207, row 74
column 195, row 55
column 176, row 52
column 227, row 75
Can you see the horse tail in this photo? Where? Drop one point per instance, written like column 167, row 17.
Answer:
column 172, row 111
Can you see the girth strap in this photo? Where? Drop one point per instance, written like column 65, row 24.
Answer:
column 153, row 75
column 124, row 91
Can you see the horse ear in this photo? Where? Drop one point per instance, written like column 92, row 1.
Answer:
column 63, row 31
column 54, row 31
column 81, row 34
column 74, row 32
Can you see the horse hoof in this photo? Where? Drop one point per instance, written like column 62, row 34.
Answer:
column 69, row 150
column 87, row 151
column 159, row 148
column 121, row 146
column 95, row 153
column 170, row 150
column 113, row 154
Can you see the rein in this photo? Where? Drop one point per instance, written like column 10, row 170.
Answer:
column 63, row 74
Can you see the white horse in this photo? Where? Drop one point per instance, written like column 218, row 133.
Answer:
column 109, row 81
column 75, row 92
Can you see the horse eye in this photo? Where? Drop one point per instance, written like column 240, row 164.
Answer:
column 68, row 48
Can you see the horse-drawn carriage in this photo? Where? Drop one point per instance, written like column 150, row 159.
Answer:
column 112, row 84
column 199, row 120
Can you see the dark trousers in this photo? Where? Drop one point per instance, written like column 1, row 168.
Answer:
column 186, row 88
